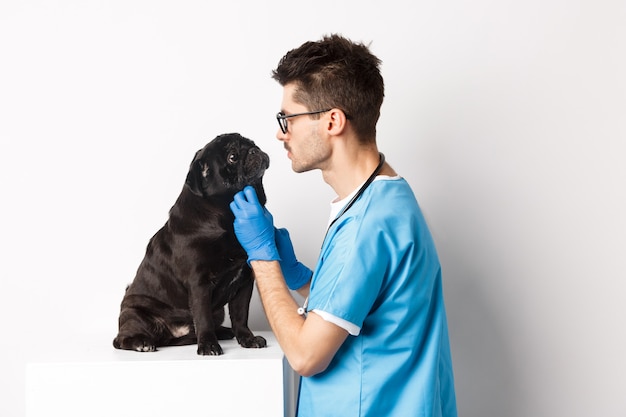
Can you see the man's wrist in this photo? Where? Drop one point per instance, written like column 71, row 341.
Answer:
column 265, row 266
column 266, row 271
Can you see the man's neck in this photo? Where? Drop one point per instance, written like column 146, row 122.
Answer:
column 348, row 170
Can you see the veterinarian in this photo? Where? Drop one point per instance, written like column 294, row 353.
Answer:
column 373, row 339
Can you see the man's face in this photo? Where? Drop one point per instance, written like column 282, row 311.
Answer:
column 306, row 146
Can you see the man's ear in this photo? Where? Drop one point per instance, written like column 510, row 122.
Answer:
column 198, row 171
column 336, row 123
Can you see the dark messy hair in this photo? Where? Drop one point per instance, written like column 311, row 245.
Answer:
column 335, row 72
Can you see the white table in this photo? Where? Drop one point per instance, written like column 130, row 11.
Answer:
column 91, row 379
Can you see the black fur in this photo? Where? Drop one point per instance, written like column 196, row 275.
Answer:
column 194, row 264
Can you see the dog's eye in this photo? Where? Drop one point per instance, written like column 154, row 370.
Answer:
column 233, row 158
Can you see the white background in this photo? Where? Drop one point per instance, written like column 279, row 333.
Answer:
column 508, row 118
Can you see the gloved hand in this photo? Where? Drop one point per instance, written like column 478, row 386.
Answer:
column 296, row 274
column 254, row 226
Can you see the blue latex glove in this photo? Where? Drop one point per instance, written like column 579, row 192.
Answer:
column 296, row 274
column 254, row 226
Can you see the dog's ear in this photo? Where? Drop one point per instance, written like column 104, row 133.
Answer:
column 198, row 171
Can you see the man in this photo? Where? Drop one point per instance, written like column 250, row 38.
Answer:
column 374, row 341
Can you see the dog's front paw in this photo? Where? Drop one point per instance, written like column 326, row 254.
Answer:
column 210, row 349
column 253, row 342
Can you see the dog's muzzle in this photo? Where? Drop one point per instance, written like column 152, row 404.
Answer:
column 256, row 163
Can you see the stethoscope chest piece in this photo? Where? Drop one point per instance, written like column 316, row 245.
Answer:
column 303, row 310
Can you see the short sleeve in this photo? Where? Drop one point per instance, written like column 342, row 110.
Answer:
column 351, row 267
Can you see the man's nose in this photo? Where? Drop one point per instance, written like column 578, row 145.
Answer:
column 280, row 135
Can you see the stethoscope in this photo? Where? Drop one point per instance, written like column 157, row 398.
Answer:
column 303, row 310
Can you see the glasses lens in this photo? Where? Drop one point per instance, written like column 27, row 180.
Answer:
column 282, row 121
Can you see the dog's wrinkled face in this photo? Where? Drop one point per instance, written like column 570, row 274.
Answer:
column 226, row 165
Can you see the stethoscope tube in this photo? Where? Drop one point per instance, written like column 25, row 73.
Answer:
column 358, row 194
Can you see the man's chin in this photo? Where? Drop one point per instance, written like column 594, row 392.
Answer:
column 298, row 168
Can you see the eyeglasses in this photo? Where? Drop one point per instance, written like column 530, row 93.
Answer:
column 281, row 117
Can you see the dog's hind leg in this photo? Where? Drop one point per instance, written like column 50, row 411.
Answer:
column 188, row 339
column 222, row 332
column 134, row 331
column 138, row 343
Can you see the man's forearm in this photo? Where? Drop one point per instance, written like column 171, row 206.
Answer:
column 280, row 307
column 309, row 344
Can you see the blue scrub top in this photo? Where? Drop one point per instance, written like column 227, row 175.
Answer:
column 379, row 270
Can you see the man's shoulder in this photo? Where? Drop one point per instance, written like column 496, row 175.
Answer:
column 392, row 190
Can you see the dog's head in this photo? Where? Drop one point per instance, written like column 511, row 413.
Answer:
column 225, row 166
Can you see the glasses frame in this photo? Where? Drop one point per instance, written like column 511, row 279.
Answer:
column 281, row 117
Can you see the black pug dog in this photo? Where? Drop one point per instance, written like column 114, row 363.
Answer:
column 194, row 264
